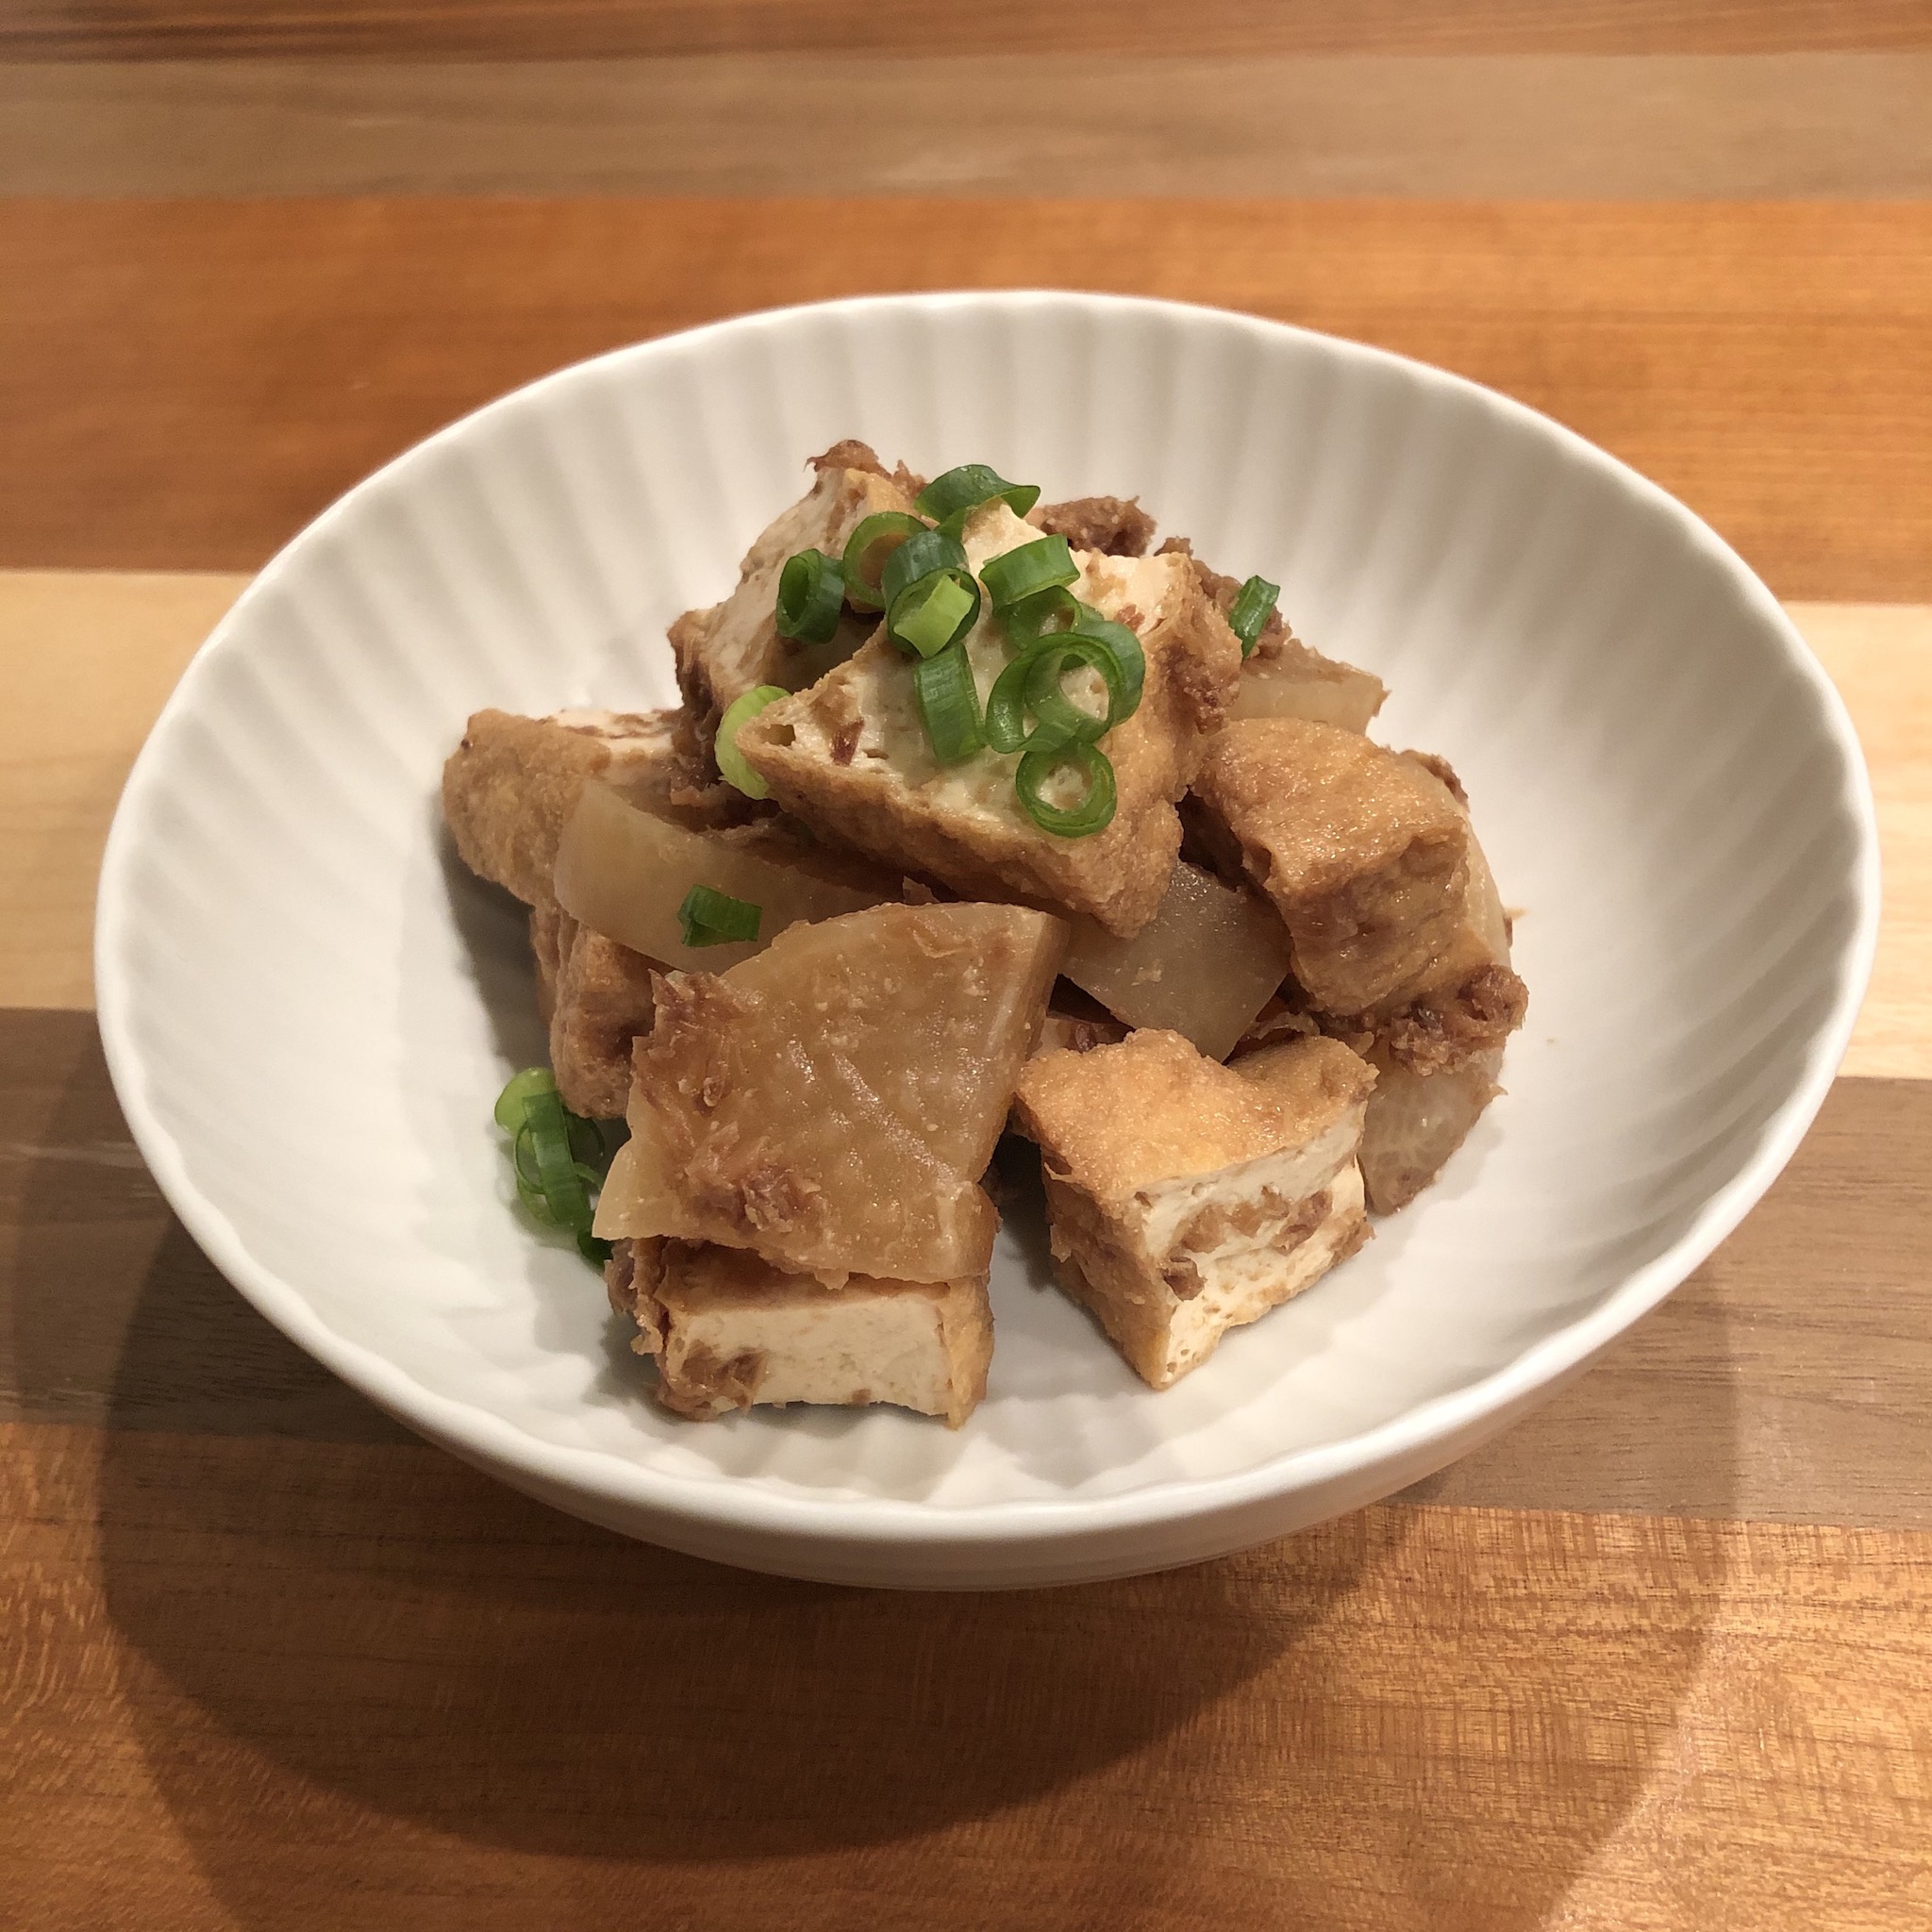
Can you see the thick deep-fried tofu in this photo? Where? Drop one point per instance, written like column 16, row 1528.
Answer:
column 729, row 1330
column 851, row 755
column 511, row 787
column 1185, row 1197
column 1364, row 853
column 1116, row 524
column 833, row 1101
column 734, row 646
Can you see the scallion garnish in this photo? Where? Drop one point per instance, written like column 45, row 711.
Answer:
column 1252, row 604
column 1041, row 616
column 811, row 592
column 952, row 498
column 739, row 713
column 1006, row 705
column 711, row 918
column 866, row 548
column 1126, row 651
column 933, row 612
column 1017, row 574
column 922, row 553
column 949, row 703
column 1059, row 717
column 1038, row 765
column 558, row 1156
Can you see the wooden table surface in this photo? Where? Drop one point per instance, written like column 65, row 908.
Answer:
column 1661, row 1657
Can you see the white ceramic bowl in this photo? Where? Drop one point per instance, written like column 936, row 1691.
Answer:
column 308, row 1007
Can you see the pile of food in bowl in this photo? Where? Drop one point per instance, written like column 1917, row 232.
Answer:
column 979, row 815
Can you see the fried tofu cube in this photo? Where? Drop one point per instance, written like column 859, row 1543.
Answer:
column 732, row 647
column 1185, row 1198
column 832, row 1102
column 851, row 756
column 1471, row 999
column 1364, row 854
column 728, row 1331
column 509, row 788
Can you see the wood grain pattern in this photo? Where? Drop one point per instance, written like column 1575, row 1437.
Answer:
column 89, row 656
column 1103, row 123
column 69, row 29
column 86, row 661
column 251, row 1688
column 1791, row 1380
column 186, row 383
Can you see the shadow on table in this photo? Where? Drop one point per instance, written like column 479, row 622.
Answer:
column 345, row 1650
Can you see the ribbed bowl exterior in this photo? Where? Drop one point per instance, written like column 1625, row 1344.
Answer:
column 308, row 1006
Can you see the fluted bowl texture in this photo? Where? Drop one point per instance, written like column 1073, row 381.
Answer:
column 309, row 1007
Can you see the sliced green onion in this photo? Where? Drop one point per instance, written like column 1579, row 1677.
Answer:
column 949, row 703
column 514, row 1097
column 739, row 713
column 1006, row 705
column 1252, row 604
column 558, row 1157
column 1041, row 616
column 922, row 553
column 952, row 498
column 711, row 918
column 1094, row 812
column 811, row 592
column 935, row 611
column 1127, row 654
column 1060, row 719
column 1032, row 568
column 861, row 582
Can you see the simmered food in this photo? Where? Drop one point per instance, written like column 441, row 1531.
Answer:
column 1204, row 965
column 856, row 755
column 630, row 873
column 1185, row 1197
column 833, row 1102
column 904, row 871
column 728, row 1330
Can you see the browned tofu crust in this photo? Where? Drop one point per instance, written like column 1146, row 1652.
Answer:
column 1116, row 525
column 663, row 1284
column 603, row 1004
column 509, row 788
column 847, row 756
column 1365, row 855
column 1115, row 1124
column 733, row 646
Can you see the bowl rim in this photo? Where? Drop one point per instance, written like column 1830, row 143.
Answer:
column 602, row 1476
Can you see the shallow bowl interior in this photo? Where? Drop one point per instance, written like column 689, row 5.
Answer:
column 309, row 1007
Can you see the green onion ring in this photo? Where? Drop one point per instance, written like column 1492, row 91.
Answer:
column 1253, row 603
column 922, row 553
column 1006, row 705
column 948, row 704
column 952, row 498
column 559, row 1176
column 516, row 1095
column 1017, row 574
column 934, row 611
column 1046, row 614
column 1092, row 815
column 862, row 591
column 811, row 594
column 1127, row 653
column 738, row 714
column 1059, row 717
column 711, row 918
